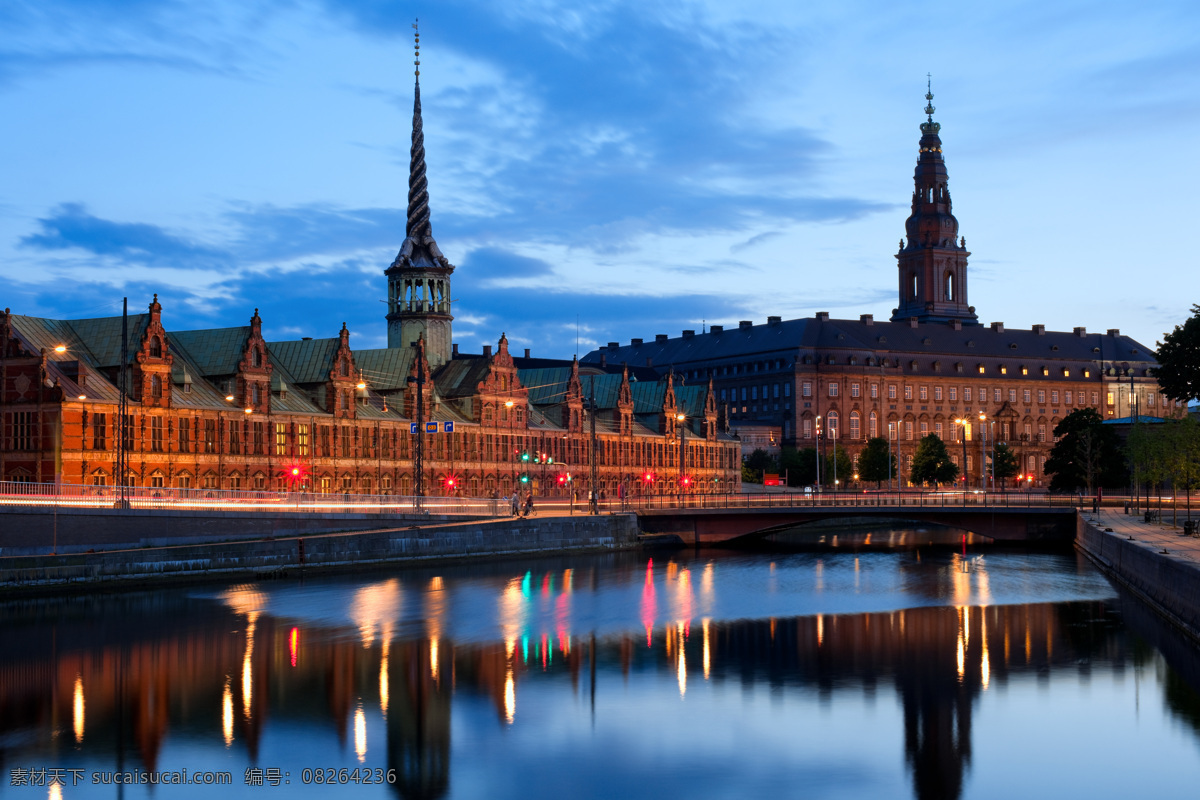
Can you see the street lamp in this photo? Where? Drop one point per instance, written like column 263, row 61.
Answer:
column 818, row 450
column 983, row 450
column 966, row 477
column 680, row 419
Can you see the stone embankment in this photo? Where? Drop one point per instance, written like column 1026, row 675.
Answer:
column 1152, row 560
column 298, row 555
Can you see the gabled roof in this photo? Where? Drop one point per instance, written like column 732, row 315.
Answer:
column 460, row 376
column 216, row 351
column 307, row 360
column 607, row 389
column 690, row 400
column 103, row 336
column 385, row 369
column 546, row 385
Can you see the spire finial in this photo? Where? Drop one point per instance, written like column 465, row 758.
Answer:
column 929, row 108
column 417, row 47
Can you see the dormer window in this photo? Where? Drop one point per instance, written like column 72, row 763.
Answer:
column 155, row 348
column 256, row 357
column 344, row 368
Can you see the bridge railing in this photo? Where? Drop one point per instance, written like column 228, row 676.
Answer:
column 13, row 493
column 870, row 499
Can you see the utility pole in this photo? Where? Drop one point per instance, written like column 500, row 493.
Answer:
column 122, row 409
column 419, row 445
column 594, row 480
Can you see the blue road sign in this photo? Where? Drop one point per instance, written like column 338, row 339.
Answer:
column 431, row 427
column 412, row 427
column 448, row 427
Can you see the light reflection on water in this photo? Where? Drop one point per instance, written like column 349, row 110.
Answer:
column 912, row 674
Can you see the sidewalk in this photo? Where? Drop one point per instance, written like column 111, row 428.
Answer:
column 1159, row 535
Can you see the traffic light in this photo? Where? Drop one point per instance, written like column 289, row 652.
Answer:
column 524, row 455
column 686, row 481
column 524, row 477
column 450, row 482
column 562, row 480
column 648, row 477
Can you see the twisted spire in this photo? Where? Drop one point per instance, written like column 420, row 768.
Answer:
column 418, row 225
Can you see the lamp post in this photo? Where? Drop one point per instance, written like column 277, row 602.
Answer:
column 679, row 420
column 891, row 432
column 966, row 476
column 818, row 450
column 983, row 451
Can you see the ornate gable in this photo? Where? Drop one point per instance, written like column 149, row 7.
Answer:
column 10, row 345
column 418, row 369
column 710, row 411
column 625, row 404
column 343, row 378
column 670, row 407
column 254, row 370
column 504, row 402
column 574, row 418
column 152, row 362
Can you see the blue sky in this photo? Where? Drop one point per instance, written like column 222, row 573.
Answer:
column 606, row 169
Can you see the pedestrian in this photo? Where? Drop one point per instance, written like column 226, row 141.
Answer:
column 516, row 503
column 528, row 504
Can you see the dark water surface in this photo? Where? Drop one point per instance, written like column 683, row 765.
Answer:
column 649, row 675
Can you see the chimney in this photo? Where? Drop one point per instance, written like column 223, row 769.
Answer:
column 454, row 350
column 660, row 338
column 1114, row 331
column 1081, row 332
column 487, row 351
column 306, row 338
column 527, row 352
column 603, row 360
column 913, row 322
column 1039, row 330
column 613, row 345
column 745, row 324
column 636, row 342
column 774, row 320
column 716, row 329
column 688, row 334
column 867, row 319
column 998, row 327
column 822, row 316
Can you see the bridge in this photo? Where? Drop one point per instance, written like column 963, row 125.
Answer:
column 989, row 517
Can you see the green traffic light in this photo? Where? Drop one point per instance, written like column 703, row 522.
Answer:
column 524, row 479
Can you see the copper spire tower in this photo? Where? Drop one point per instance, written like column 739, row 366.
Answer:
column 933, row 261
column 419, row 278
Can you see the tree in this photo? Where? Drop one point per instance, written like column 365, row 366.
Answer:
column 1087, row 454
column 1005, row 463
column 1178, row 370
column 845, row 468
column 873, row 462
column 931, row 463
column 800, row 465
column 755, row 464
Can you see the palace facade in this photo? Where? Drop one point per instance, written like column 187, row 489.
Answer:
column 226, row 409
column 927, row 369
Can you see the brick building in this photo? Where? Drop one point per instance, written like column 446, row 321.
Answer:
column 225, row 409
column 931, row 364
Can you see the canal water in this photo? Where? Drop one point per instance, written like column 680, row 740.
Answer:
column 711, row 674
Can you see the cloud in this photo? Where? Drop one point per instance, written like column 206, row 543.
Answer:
column 70, row 226
column 489, row 266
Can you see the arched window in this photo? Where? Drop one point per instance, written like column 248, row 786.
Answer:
column 155, row 348
column 949, row 285
column 155, row 386
column 873, row 425
column 832, row 424
column 344, row 367
column 855, row 431
column 914, row 284
column 256, row 357
column 256, row 393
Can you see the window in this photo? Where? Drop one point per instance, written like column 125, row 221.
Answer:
column 1012, row 395
column 99, row 478
column 873, row 425
column 155, row 348
column 260, row 439
column 743, row 395
column 235, row 481
column 805, row 389
column 854, row 390
column 347, row 483
column 996, row 395
column 183, row 481
column 1041, row 431
column 855, row 425
column 833, row 389
column 924, row 393
column 1027, row 395
column 908, row 430
column 937, row 394
column 753, row 392
column 787, row 390
column 281, row 438
column 99, row 432
column 953, row 394
column 874, row 391
column 156, row 434
column 1096, row 398
column 1110, row 398
column 924, row 429
column 1149, row 398
column 210, row 436
column 256, row 394
column 908, row 394
column 155, row 386
column 1054, row 397
column 966, row 395
column 301, row 440
column 833, row 424
column 967, row 430
column 892, row 432
column 723, row 398
column 260, row 481
column 1004, row 431
column 806, row 427
column 1028, row 429
column 256, row 357
column 235, row 438
column 891, row 391
column 937, row 430
column 185, row 435
column 1042, row 396
column 24, row 425
column 344, row 435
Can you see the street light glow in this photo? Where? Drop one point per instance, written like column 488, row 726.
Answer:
column 62, row 348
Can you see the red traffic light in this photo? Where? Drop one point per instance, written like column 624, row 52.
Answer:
column 648, row 477
column 562, row 479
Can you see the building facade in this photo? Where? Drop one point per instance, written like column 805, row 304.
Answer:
column 224, row 409
column 932, row 368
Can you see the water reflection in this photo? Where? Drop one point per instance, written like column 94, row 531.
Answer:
column 386, row 675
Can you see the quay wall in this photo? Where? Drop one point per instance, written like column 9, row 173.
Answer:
column 298, row 555
column 1168, row 583
column 42, row 531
